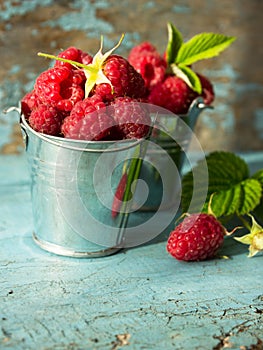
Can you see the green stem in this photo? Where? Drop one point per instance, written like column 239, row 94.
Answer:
column 75, row 64
column 245, row 222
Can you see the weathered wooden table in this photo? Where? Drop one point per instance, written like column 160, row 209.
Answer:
column 139, row 298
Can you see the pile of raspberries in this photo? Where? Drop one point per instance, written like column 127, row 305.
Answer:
column 57, row 105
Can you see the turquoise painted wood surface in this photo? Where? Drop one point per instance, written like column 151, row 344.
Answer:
column 139, row 298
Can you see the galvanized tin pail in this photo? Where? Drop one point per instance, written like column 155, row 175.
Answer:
column 73, row 188
column 165, row 158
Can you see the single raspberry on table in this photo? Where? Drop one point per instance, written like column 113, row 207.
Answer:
column 46, row 119
column 60, row 87
column 131, row 116
column 149, row 63
column 197, row 237
column 88, row 120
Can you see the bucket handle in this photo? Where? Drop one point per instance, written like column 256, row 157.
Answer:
column 24, row 133
column 195, row 109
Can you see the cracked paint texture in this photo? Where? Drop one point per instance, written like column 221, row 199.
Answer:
column 50, row 302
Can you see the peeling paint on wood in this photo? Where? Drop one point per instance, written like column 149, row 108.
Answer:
column 140, row 298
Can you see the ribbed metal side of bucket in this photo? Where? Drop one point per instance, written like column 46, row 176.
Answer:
column 72, row 193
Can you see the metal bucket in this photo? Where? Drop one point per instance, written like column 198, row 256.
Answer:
column 73, row 188
column 165, row 157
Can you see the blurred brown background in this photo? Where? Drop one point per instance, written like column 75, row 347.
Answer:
column 26, row 27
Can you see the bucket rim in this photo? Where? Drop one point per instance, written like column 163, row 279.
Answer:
column 67, row 142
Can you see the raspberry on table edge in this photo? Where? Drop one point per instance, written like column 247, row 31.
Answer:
column 190, row 240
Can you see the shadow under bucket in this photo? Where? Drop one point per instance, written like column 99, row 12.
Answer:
column 73, row 186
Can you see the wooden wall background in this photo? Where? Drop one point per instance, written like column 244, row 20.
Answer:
column 29, row 26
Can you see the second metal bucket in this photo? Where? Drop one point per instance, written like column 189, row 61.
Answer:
column 73, row 188
column 166, row 155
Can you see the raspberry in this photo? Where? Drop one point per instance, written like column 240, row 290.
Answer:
column 88, row 120
column 73, row 54
column 131, row 116
column 176, row 96
column 144, row 47
column 149, row 63
column 46, row 119
column 117, row 200
column 197, row 237
column 29, row 102
column 125, row 80
column 60, row 87
column 208, row 91
column 173, row 94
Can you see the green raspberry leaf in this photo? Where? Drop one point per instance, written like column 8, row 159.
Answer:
column 227, row 165
column 252, row 191
column 225, row 203
column 233, row 191
column 239, row 199
column 259, row 176
column 203, row 46
column 258, row 211
column 175, row 40
column 188, row 76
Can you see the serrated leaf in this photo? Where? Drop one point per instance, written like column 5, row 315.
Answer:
column 259, row 176
column 231, row 165
column 226, row 203
column 175, row 40
column 226, row 170
column 188, row 76
column 252, row 191
column 240, row 199
column 258, row 211
column 203, row 46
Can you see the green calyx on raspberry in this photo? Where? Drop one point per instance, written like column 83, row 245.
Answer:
column 254, row 238
column 181, row 55
column 93, row 71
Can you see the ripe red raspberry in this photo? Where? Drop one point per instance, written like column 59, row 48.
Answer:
column 197, row 237
column 176, row 96
column 173, row 94
column 73, row 54
column 131, row 116
column 144, row 47
column 149, row 63
column 88, row 120
column 125, row 80
column 29, row 102
column 117, row 200
column 46, row 119
column 208, row 90
column 60, row 87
